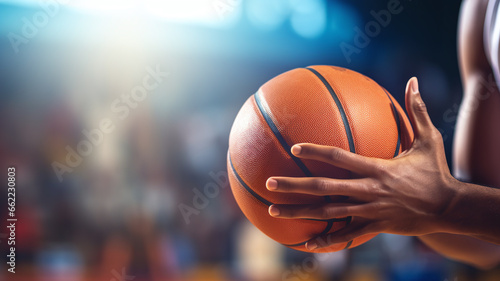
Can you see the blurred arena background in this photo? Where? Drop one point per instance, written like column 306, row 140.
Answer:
column 131, row 204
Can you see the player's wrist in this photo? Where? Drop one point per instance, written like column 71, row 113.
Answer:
column 454, row 217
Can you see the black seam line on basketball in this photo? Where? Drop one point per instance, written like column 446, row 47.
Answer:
column 342, row 115
column 268, row 203
column 325, row 231
column 348, row 221
column 251, row 191
column 287, row 148
column 398, row 124
column 280, row 137
column 339, row 106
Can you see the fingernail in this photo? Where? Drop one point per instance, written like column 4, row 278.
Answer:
column 274, row 211
column 414, row 85
column 272, row 184
column 311, row 245
column 296, row 149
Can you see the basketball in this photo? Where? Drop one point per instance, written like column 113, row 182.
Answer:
column 324, row 105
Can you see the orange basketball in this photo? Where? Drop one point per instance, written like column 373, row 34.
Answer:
column 321, row 104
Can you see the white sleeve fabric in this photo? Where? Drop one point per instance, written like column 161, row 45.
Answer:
column 492, row 35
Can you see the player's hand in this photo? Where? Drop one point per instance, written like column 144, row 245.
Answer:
column 407, row 195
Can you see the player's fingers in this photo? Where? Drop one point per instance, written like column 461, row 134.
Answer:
column 344, row 235
column 320, row 211
column 338, row 157
column 417, row 111
column 359, row 188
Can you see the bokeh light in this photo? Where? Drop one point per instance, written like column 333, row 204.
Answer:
column 308, row 18
column 267, row 15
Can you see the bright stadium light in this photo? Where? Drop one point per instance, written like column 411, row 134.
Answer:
column 214, row 13
column 210, row 13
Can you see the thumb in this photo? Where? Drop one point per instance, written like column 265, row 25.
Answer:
column 417, row 111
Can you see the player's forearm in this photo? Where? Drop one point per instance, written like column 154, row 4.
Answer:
column 464, row 249
column 474, row 211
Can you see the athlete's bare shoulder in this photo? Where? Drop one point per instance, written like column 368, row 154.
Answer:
column 471, row 47
column 476, row 148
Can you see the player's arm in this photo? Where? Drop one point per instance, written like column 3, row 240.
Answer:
column 477, row 136
column 476, row 148
column 412, row 194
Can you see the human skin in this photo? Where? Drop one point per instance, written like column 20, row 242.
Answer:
column 476, row 156
column 413, row 194
column 475, row 150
